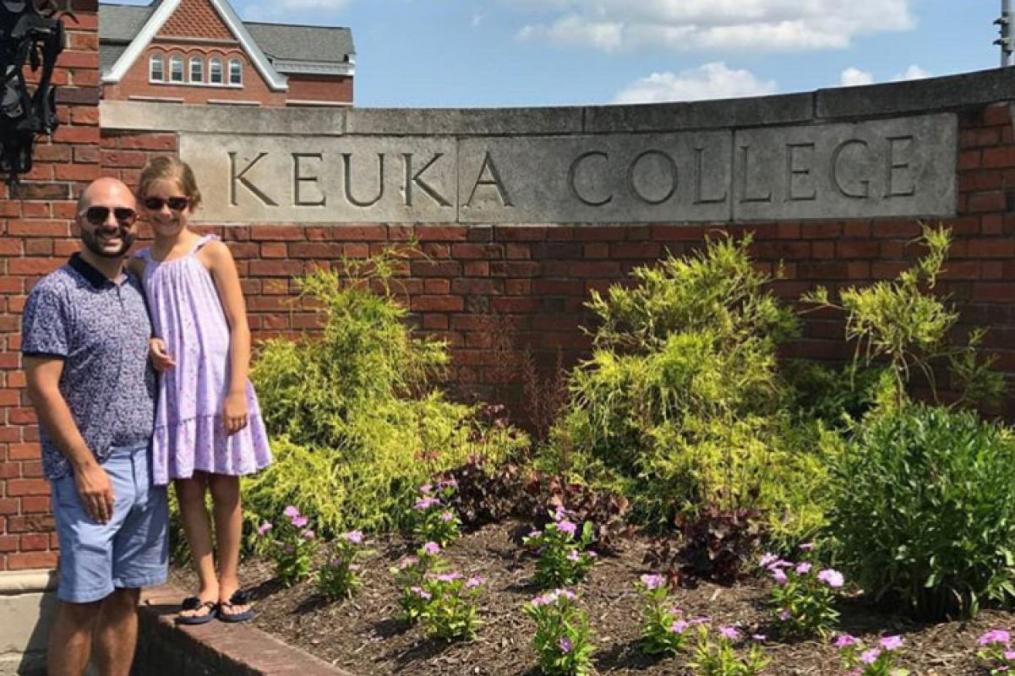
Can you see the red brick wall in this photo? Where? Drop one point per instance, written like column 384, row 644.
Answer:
column 195, row 19
column 306, row 88
column 35, row 235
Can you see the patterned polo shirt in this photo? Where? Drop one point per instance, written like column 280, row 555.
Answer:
column 100, row 329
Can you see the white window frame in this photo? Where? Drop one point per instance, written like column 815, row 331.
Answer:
column 214, row 62
column 199, row 62
column 176, row 60
column 152, row 61
column 239, row 72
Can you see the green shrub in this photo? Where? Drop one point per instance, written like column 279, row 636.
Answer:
column 681, row 403
column 355, row 419
column 924, row 510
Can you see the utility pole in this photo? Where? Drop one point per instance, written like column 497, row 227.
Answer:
column 1005, row 27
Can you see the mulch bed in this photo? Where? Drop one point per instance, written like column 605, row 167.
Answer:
column 364, row 636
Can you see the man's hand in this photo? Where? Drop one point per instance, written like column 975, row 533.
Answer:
column 161, row 359
column 234, row 412
column 95, row 491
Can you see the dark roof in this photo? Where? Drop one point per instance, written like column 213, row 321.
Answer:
column 121, row 23
column 302, row 43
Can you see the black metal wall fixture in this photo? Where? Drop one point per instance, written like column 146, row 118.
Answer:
column 32, row 35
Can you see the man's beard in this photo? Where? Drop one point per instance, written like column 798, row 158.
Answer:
column 91, row 241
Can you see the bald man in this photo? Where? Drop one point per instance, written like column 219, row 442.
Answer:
column 85, row 334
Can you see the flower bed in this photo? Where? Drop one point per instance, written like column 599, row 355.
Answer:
column 364, row 634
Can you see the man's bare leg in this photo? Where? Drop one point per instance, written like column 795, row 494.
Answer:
column 70, row 638
column 116, row 633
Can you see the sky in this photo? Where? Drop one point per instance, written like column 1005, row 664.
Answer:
column 495, row 53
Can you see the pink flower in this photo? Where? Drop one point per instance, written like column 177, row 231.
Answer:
column 534, row 534
column 474, row 581
column 831, row 577
column 426, row 488
column 994, row 636
column 426, row 503
column 355, row 537
column 407, row 561
column 447, row 577
column 264, row 528
column 420, row 592
column 565, row 645
column 591, row 554
column 300, row 521
column 767, row 560
column 807, row 546
column 573, row 556
column 784, row 615
column 891, row 642
column 803, row 568
column 431, row 548
column 729, row 632
column 1009, row 655
column 779, row 575
column 565, row 526
column 291, row 511
column 307, row 534
column 653, row 581
column 447, row 516
column 870, row 656
column 845, row 640
column 679, row 626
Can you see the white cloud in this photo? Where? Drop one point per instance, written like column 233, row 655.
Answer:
column 852, row 77
column 682, row 25
column 914, row 72
column 710, row 81
column 277, row 9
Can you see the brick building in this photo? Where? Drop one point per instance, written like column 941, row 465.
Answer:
column 200, row 52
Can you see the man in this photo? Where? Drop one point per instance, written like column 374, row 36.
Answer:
column 85, row 344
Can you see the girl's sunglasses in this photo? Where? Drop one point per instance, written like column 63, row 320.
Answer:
column 175, row 203
column 98, row 215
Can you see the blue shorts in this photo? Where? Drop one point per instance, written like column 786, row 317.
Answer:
column 128, row 552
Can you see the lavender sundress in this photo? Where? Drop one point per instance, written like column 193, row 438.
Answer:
column 189, row 434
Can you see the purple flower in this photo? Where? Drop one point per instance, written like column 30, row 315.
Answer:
column 559, row 513
column 534, row 534
column 870, row 656
column 653, row 581
column 264, row 528
column 803, row 568
column 407, row 561
column 767, row 560
column 574, row 556
column 779, row 575
column 426, row 488
column 679, row 626
column 1009, row 655
column 426, row 503
column 807, row 546
column 994, row 636
column 729, row 632
column 307, row 534
column 421, row 593
column 591, row 554
column 543, row 600
column 431, row 548
column 291, row 511
column 300, row 521
column 565, row 526
column 891, row 642
column 785, row 615
column 475, row 581
column 447, row 577
column 355, row 537
column 831, row 577
column 845, row 640
column 447, row 516
column 565, row 645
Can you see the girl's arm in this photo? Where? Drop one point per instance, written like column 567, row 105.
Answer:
column 220, row 263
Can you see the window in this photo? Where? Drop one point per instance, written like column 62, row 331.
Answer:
column 235, row 72
column 176, row 68
column 155, row 72
column 196, row 69
column 215, row 71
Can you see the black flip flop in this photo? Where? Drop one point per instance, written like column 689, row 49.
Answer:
column 194, row 603
column 239, row 598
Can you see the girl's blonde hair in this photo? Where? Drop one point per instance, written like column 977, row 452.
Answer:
column 169, row 167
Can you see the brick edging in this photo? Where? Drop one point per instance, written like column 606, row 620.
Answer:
column 215, row 648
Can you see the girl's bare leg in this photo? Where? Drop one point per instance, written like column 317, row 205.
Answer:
column 193, row 513
column 225, row 493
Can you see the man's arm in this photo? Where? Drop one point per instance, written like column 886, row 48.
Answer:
column 94, row 487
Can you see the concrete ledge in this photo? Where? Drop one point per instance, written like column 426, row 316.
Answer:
column 27, row 603
column 213, row 649
column 26, row 581
column 949, row 93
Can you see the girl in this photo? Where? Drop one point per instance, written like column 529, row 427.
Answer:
column 208, row 428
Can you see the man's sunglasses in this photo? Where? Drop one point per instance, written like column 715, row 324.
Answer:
column 99, row 215
column 175, row 203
